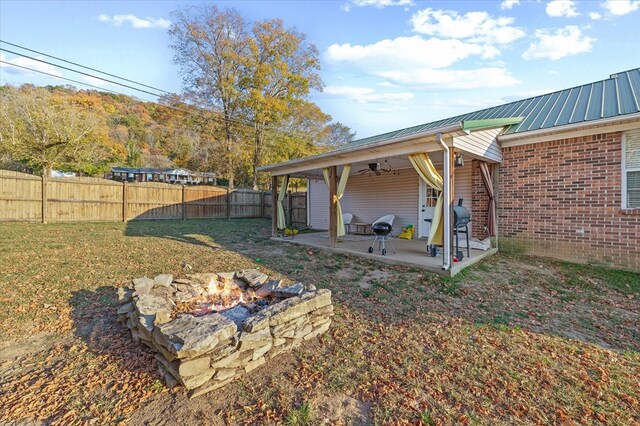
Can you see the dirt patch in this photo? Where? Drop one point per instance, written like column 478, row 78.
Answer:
column 342, row 410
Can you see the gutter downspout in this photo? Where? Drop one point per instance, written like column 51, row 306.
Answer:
column 446, row 261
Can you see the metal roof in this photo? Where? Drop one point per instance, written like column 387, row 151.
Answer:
column 618, row 95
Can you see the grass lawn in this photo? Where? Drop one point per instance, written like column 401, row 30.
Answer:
column 509, row 341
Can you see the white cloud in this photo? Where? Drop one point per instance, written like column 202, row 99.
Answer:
column 621, row 7
column 28, row 63
column 508, row 4
column 365, row 95
column 562, row 42
column 408, row 52
column 559, row 8
column 381, row 3
column 595, row 16
column 452, row 79
column 474, row 26
column 95, row 81
column 118, row 20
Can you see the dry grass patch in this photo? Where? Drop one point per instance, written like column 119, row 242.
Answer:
column 510, row 341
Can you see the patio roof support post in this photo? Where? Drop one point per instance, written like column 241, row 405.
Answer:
column 333, row 206
column 495, row 172
column 274, row 206
column 447, row 163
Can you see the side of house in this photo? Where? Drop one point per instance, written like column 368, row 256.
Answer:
column 573, row 198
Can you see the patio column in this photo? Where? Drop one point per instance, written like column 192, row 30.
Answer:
column 333, row 206
column 274, row 206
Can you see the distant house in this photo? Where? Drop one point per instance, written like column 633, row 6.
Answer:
column 177, row 176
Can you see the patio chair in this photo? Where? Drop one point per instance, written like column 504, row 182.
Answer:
column 346, row 219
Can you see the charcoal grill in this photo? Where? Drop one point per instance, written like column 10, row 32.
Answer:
column 461, row 219
column 381, row 230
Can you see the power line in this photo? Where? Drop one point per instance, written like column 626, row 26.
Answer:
column 198, row 111
column 219, row 117
column 81, row 66
column 80, row 72
column 57, row 76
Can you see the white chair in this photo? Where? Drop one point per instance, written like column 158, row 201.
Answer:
column 386, row 219
column 346, row 219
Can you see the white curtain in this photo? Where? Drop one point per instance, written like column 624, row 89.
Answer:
column 342, row 185
column 423, row 165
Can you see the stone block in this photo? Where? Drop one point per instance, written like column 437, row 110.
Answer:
column 126, row 308
column 325, row 310
column 252, row 277
column 299, row 305
column 300, row 333
column 258, row 352
column 193, row 367
column 279, row 341
column 142, row 285
column 224, row 362
column 252, row 365
column 225, row 373
column 268, row 288
column 324, row 327
column 162, row 280
column 125, row 294
column 290, row 291
column 193, row 336
column 253, row 344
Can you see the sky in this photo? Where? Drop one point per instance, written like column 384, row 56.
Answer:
column 385, row 64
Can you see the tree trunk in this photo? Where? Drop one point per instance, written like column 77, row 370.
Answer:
column 257, row 152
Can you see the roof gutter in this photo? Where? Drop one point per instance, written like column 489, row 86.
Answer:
column 449, row 128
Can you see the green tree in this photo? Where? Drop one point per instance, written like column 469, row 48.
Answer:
column 282, row 70
column 210, row 47
column 44, row 130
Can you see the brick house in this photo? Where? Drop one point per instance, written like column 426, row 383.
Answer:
column 564, row 170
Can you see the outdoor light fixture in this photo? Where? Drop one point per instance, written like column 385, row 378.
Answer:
column 458, row 161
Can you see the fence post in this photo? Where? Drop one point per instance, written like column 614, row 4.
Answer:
column 184, row 206
column 262, row 204
column 124, row 200
column 228, row 204
column 44, row 195
column 289, row 209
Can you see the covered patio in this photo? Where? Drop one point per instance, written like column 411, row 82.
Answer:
column 428, row 156
column 411, row 253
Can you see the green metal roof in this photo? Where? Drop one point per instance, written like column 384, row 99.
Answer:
column 616, row 96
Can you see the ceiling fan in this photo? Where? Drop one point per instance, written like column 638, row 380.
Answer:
column 375, row 168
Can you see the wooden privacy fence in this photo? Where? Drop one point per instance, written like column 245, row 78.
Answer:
column 28, row 198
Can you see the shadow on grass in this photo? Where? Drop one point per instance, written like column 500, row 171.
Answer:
column 96, row 323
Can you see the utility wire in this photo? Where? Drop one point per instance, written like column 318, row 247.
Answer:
column 57, row 76
column 80, row 72
column 198, row 111
column 82, row 66
column 246, row 123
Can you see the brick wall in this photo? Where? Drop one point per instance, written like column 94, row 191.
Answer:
column 562, row 199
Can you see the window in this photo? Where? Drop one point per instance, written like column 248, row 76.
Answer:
column 431, row 197
column 631, row 170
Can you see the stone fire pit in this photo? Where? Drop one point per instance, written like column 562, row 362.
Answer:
column 208, row 329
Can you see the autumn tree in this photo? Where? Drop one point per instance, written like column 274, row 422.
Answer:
column 282, row 70
column 44, row 130
column 336, row 135
column 210, row 47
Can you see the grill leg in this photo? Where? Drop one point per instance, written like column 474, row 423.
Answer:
column 466, row 231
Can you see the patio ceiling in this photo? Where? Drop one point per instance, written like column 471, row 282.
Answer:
column 466, row 137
